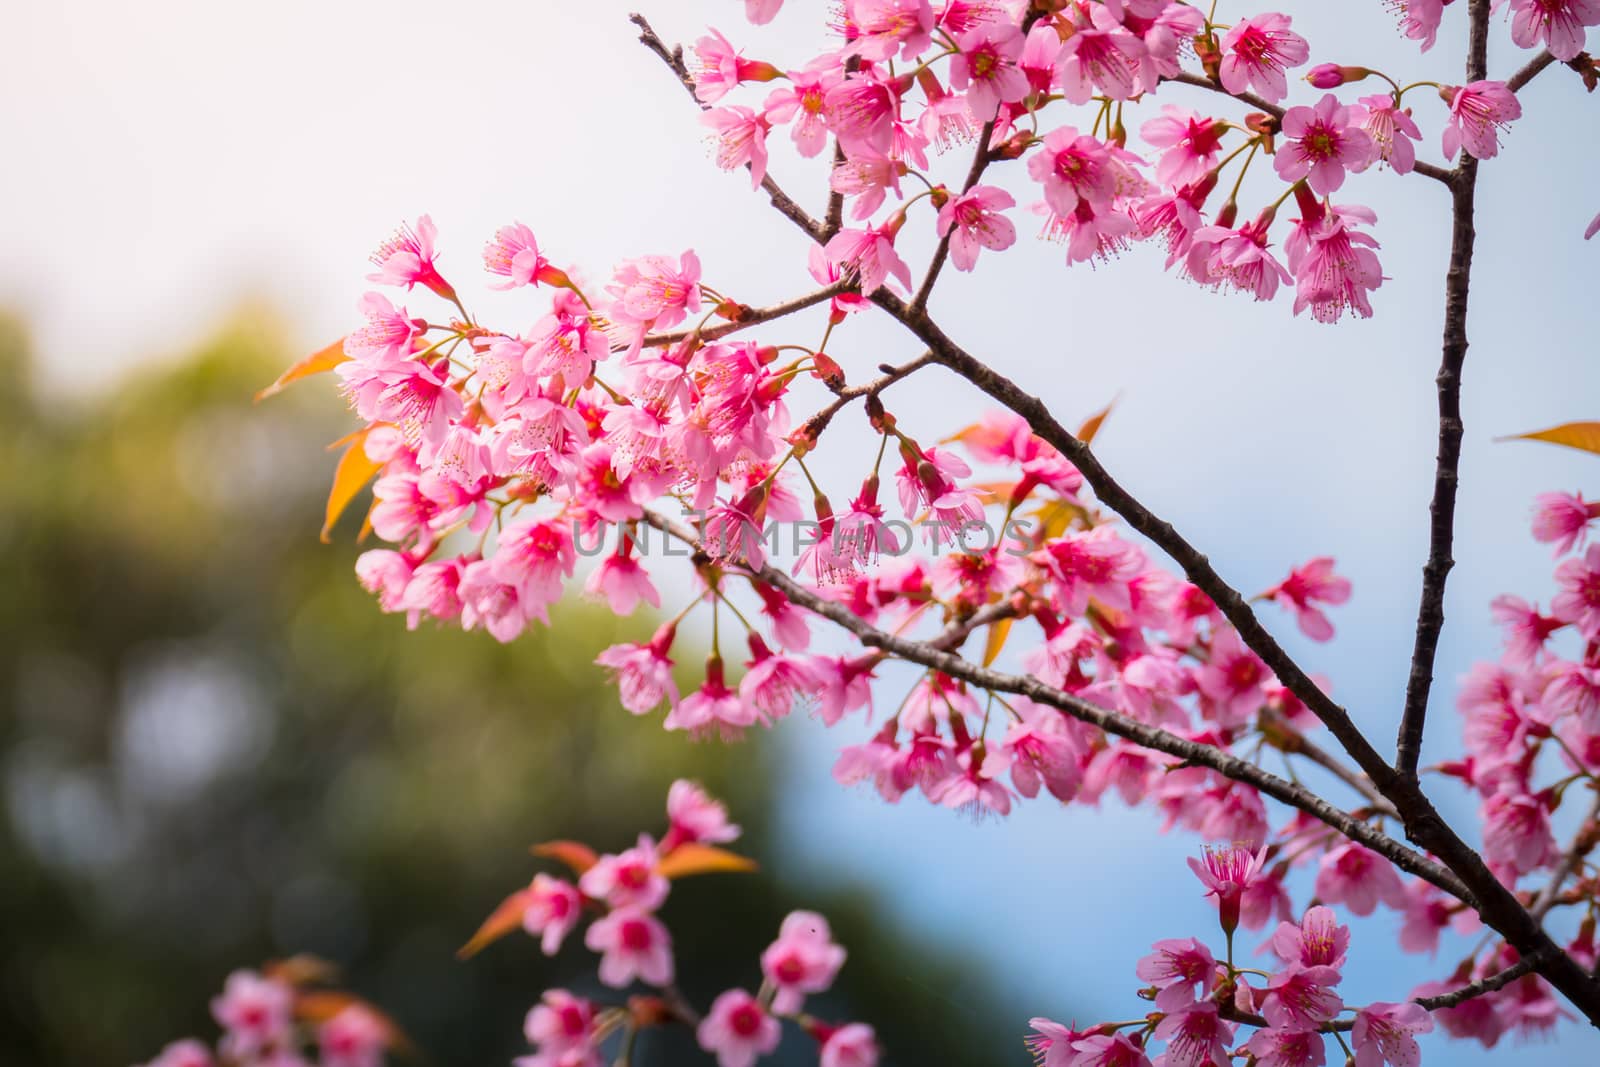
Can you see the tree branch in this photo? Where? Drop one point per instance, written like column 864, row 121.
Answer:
column 1582, row 843
column 750, row 317
column 1446, row 476
column 673, row 58
column 1530, row 71
column 1224, row 763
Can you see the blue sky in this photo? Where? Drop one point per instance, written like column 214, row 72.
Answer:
column 233, row 154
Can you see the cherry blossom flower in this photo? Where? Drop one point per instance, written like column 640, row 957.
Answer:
column 1182, row 968
column 643, row 673
column 802, row 106
column 1256, row 52
column 1301, row 998
column 1191, row 143
column 1318, row 940
column 628, row 879
column 1391, row 128
column 1560, row 24
column 1563, row 519
column 1274, row 1047
column 1516, row 832
column 407, row 258
column 973, row 222
column 355, row 1037
column 1419, row 19
column 634, row 945
column 1104, row 57
column 1478, row 111
column 255, row 1013
column 1227, row 871
column 851, row 1045
column 1334, row 269
column 1308, row 585
column 1072, row 167
column 1358, row 878
column 869, row 256
column 562, row 1028
column 802, row 960
column 738, row 1029
column 1196, row 1036
column 1324, row 143
column 514, row 254
column 553, row 909
column 986, row 67
column 1579, row 599
column 697, row 817
column 1386, row 1034
column 741, row 139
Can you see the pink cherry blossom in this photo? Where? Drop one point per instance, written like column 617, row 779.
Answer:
column 1391, row 128
column 1478, row 111
column 1256, row 52
column 1275, row 1047
column 1308, row 585
column 634, row 945
column 738, row 1029
column 1560, row 24
column 562, row 1028
column 1192, row 143
column 1516, row 832
column 1324, row 143
column 1104, row 57
column 1236, row 258
column 986, row 67
column 1196, row 1036
column 553, row 909
column 1318, row 940
column 514, row 254
column 1334, row 267
column 851, row 1045
column 1183, row 969
column 802, row 960
column 801, row 105
column 1563, row 519
column 407, row 258
column 973, row 222
column 185, row 1053
column 1579, row 599
column 1419, row 19
column 643, row 673
column 1227, row 871
column 1358, row 878
column 1301, row 998
column 254, row 1011
column 628, row 879
column 697, row 817
column 868, row 255
column 741, row 139
column 355, row 1037
column 1072, row 167
column 1386, row 1034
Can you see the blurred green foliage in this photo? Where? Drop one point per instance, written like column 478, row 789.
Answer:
column 215, row 750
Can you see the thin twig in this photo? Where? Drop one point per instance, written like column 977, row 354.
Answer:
column 1582, row 842
column 750, row 317
column 814, row 426
column 673, row 58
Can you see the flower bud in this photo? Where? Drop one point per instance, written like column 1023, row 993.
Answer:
column 1332, row 75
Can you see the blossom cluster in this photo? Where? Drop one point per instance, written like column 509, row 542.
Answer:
column 1201, row 1003
column 621, row 895
column 648, row 395
column 276, row 1018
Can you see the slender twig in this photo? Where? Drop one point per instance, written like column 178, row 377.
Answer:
column 750, row 317
column 814, row 426
column 980, row 160
column 1446, row 475
column 1115, row 723
column 673, row 58
column 1530, row 70
column 1498, row 980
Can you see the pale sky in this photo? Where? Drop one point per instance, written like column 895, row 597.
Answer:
column 169, row 159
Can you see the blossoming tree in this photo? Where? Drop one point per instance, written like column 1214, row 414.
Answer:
column 659, row 405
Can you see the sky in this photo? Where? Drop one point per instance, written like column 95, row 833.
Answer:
column 171, row 159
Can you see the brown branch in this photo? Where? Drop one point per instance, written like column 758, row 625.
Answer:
column 673, row 58
column 1446, row 475
column 1498, row 980
column 1530, row 71
column 750, row 317
column 1292, row 742
column 814, row 426
column 1119, row 725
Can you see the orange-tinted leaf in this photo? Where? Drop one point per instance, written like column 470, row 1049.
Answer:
column 506, row 918
column 321, row 1005
column 302, row 970
column 693, row 858
column 1584, row 436
column 999, row 630
column 1091, row 425
column 574, row 854
column 961, row 434
column 355, row 470
column 317, row 362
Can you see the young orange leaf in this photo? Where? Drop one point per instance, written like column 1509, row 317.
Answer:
column 317, row 362
column 354, row 471
column 574, row 854
column 302, row 970
column 999, row 630
column 1584, row 436
column 506, row 918
column 1091, row 425
column 695, row 858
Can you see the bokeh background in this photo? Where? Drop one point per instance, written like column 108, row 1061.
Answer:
column 213, row 749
